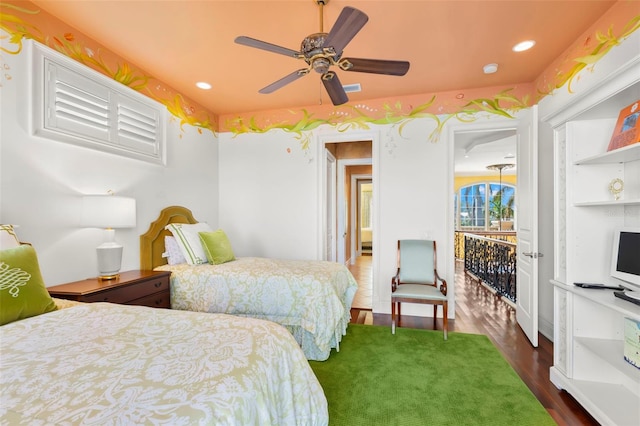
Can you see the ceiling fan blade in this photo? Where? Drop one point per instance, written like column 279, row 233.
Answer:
column 349, row 22
column 376, row 66
column 334, row 88
column 258, row 44
column 284, row 81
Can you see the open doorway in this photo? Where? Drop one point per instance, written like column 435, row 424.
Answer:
column 509, row 265
column 354, row 214
column 485, row 187
column 364, row 215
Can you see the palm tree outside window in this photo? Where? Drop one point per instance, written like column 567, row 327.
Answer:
column 483, row 206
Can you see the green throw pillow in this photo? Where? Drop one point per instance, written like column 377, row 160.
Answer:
column 22, row 290
column 217, row 247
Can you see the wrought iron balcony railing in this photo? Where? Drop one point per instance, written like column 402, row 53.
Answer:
column 491, row 258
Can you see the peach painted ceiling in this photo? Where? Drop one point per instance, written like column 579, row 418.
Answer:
column 447, row 43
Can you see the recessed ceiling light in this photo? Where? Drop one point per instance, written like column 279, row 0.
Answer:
column 524, row 45
column 203, row 85
column 490, row 68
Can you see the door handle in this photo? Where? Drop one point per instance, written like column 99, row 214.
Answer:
column 532, row 254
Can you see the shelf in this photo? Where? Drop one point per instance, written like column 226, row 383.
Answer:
column 621, row 202
column 604, row 298
column 610, row 404
column 612, row 352
column 622, row 155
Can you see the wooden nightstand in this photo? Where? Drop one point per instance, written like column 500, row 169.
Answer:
column 146, row 288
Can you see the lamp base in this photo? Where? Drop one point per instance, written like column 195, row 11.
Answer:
column 109, row 258
column 108, row 277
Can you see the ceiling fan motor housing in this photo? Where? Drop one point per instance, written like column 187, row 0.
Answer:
column 314, row 54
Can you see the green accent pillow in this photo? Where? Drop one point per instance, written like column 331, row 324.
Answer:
column 22, row 290
column 217, row 247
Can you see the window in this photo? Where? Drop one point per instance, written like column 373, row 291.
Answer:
column 366, row 202
column 485, row 206
column 75, row 104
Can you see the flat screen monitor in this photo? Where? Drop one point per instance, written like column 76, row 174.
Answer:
column 625, row 258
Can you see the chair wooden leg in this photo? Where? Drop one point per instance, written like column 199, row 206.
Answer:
column 435, row 317
column 445, row 319
column 399, row 314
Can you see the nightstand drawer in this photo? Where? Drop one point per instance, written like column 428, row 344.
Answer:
column 148, row 288
column 127, row 293
column 157, row 300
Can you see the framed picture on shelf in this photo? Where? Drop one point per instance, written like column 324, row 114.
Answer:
column 627, row 130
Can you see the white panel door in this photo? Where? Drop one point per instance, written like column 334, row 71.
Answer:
column 527, row 226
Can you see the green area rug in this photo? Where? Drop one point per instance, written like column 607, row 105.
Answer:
column 416, row 378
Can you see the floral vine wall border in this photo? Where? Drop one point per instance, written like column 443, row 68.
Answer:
column 505, row 103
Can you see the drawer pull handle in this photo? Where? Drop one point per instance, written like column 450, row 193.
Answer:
column 158, row 284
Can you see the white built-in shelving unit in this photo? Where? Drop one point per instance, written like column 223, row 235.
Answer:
column 589, row 324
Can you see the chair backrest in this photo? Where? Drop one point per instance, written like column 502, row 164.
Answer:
column 416, row 261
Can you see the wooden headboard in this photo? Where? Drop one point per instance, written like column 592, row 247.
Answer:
column 152, row 241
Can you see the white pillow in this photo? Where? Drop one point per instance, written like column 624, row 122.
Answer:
column 172, row 251
column 189, row 241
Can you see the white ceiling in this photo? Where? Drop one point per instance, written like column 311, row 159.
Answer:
column 474, row 151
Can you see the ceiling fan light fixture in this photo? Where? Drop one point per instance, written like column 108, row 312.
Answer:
column 321, row 65
column 524, row 45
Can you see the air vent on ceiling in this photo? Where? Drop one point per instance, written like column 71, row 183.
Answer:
column 349, row 88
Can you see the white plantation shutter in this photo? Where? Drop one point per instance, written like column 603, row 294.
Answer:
column 73, row 103
column 137, row 125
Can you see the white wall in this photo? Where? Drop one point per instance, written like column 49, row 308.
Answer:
column 42, row 181
column 545, row 230
column 268, row 195
column 413, row 183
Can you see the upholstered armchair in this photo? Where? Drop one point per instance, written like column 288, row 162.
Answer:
column 417, row 281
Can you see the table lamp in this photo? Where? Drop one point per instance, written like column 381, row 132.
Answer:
column 108, row 212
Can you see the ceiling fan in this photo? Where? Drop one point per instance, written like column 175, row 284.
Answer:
column 322, row 50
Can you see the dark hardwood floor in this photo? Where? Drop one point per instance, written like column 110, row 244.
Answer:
column 480, row 311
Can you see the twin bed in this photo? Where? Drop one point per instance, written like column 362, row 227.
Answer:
column 103, row 363
column 312, row 299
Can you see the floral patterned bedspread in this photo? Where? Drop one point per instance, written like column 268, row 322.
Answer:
column 310, row 298
column 110, row 364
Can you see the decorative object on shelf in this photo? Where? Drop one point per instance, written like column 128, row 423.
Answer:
column 627, row 130
column 632, row 342
column 616, row 186
column 109, row 212
column 500, row 168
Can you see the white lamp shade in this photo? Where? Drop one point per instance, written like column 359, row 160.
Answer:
column 108, row 211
